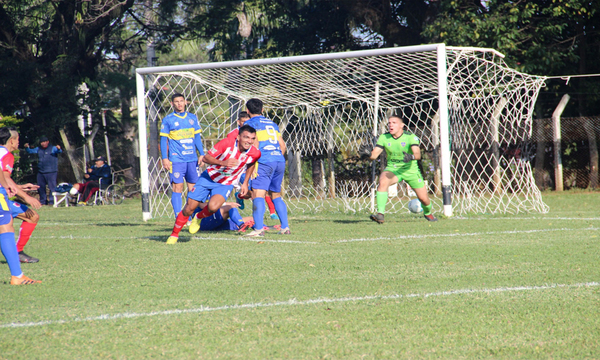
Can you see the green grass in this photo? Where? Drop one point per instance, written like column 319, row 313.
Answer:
column 341, row 287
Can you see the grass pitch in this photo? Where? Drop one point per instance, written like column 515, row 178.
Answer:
column 341, row 286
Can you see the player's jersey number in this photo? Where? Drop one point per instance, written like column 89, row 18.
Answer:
column 272, row 134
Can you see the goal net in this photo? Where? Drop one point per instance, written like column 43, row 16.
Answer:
column 471, row 112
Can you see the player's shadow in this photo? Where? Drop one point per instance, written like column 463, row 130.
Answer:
column 163, row 239
column 350, row 221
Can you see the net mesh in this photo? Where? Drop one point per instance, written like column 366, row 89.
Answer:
column 326, row 109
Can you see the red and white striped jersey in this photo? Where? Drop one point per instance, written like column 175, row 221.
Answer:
column 7, row 160
column 227, row 149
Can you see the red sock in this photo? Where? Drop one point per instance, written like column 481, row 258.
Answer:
column 270, row 205
column 24, row 234
column 179, row 222
column 204, row 213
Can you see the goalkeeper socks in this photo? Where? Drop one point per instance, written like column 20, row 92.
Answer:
column 426, row 208
column 281, row 208
column 176, row 202
column 382, row 198
column 24, row 234
column 234, row 215
column 270, row 205
column 9, row 250
column 179, row 222
column 258, row 211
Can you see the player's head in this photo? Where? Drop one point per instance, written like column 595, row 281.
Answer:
column 246, row 137
column 254, row 106
column 9, row 138
column 178, row 102
column 395, row 124
column 242, row 118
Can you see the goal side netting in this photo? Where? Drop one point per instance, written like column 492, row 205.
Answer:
column 470, row 120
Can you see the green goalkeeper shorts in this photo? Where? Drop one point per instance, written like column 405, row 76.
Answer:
column 412, row 176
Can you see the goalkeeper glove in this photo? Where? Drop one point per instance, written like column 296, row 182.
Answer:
column 408, row 157
column 364, row 150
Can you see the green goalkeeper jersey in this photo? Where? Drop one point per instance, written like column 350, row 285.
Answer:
column 396, row 148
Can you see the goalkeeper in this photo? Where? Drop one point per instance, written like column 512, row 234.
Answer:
column 402, row 149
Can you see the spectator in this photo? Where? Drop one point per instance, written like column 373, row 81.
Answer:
column 98, row 176
column 47, row 167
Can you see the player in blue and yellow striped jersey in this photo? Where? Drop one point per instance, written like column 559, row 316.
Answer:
column 271, row 168
column 179, row 140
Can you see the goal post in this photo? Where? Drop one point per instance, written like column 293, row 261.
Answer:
column 327, row 105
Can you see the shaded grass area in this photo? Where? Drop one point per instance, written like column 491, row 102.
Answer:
column 106, row 261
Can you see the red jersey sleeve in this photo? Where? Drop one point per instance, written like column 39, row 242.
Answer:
column 220, row 147
column 8, row 162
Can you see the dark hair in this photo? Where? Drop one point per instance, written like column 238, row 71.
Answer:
column 243, row 114
column 247, row 128
column 254, row 106
column 176, row 95
column 398, row 116
column 6, row 134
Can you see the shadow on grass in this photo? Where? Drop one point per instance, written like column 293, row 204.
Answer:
column 163, row 239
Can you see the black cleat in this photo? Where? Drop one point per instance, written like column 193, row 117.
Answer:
column 430, row 217
column 24, row 258
column 378, row 218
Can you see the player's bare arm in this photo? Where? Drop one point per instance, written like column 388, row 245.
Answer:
column 244, row 187
column 35, row 203
column 166, row 164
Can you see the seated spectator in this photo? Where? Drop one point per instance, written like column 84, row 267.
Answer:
column 100, row 170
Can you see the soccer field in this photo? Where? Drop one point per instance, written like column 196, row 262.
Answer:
column 341, row 286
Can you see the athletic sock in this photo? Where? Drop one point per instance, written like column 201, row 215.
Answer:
column 24, row 234
column 235, row 216
column 426, row 209
column 382, row 198
column 9, row 250
column 179, row 222
column 176, row 202
column 204, row 213
column 258, row 211
column 281, row 208
column 270, row 205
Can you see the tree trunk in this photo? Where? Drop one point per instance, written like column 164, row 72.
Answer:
column 318, row 177
column 69, row 150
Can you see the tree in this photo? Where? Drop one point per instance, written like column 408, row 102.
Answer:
column 48, row 48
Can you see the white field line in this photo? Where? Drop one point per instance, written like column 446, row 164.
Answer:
column 466, row 234
column 399, row 237
column 294, row 302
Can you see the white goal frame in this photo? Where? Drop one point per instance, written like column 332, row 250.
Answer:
column 497, row 88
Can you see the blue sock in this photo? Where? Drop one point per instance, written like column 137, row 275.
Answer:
column 258, row 211
column 176, row 202
column 281, row 209
column 9, row 250
column 234, row 215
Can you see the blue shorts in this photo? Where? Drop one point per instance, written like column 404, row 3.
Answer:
column 206, row 188
column 270, row 176
column 215, row 222
column 5, row 208
column 16, row 208
column 186, row 170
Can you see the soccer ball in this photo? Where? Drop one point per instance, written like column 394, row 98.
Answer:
column 415, row 206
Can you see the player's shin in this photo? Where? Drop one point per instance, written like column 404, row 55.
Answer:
column 382, row 198
column 9, row 250
column 180, row 221
column 281, row 209
column 25, row 232
column 176, row 202
column 426, row 209
column 258, row 211
column 234, row 215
